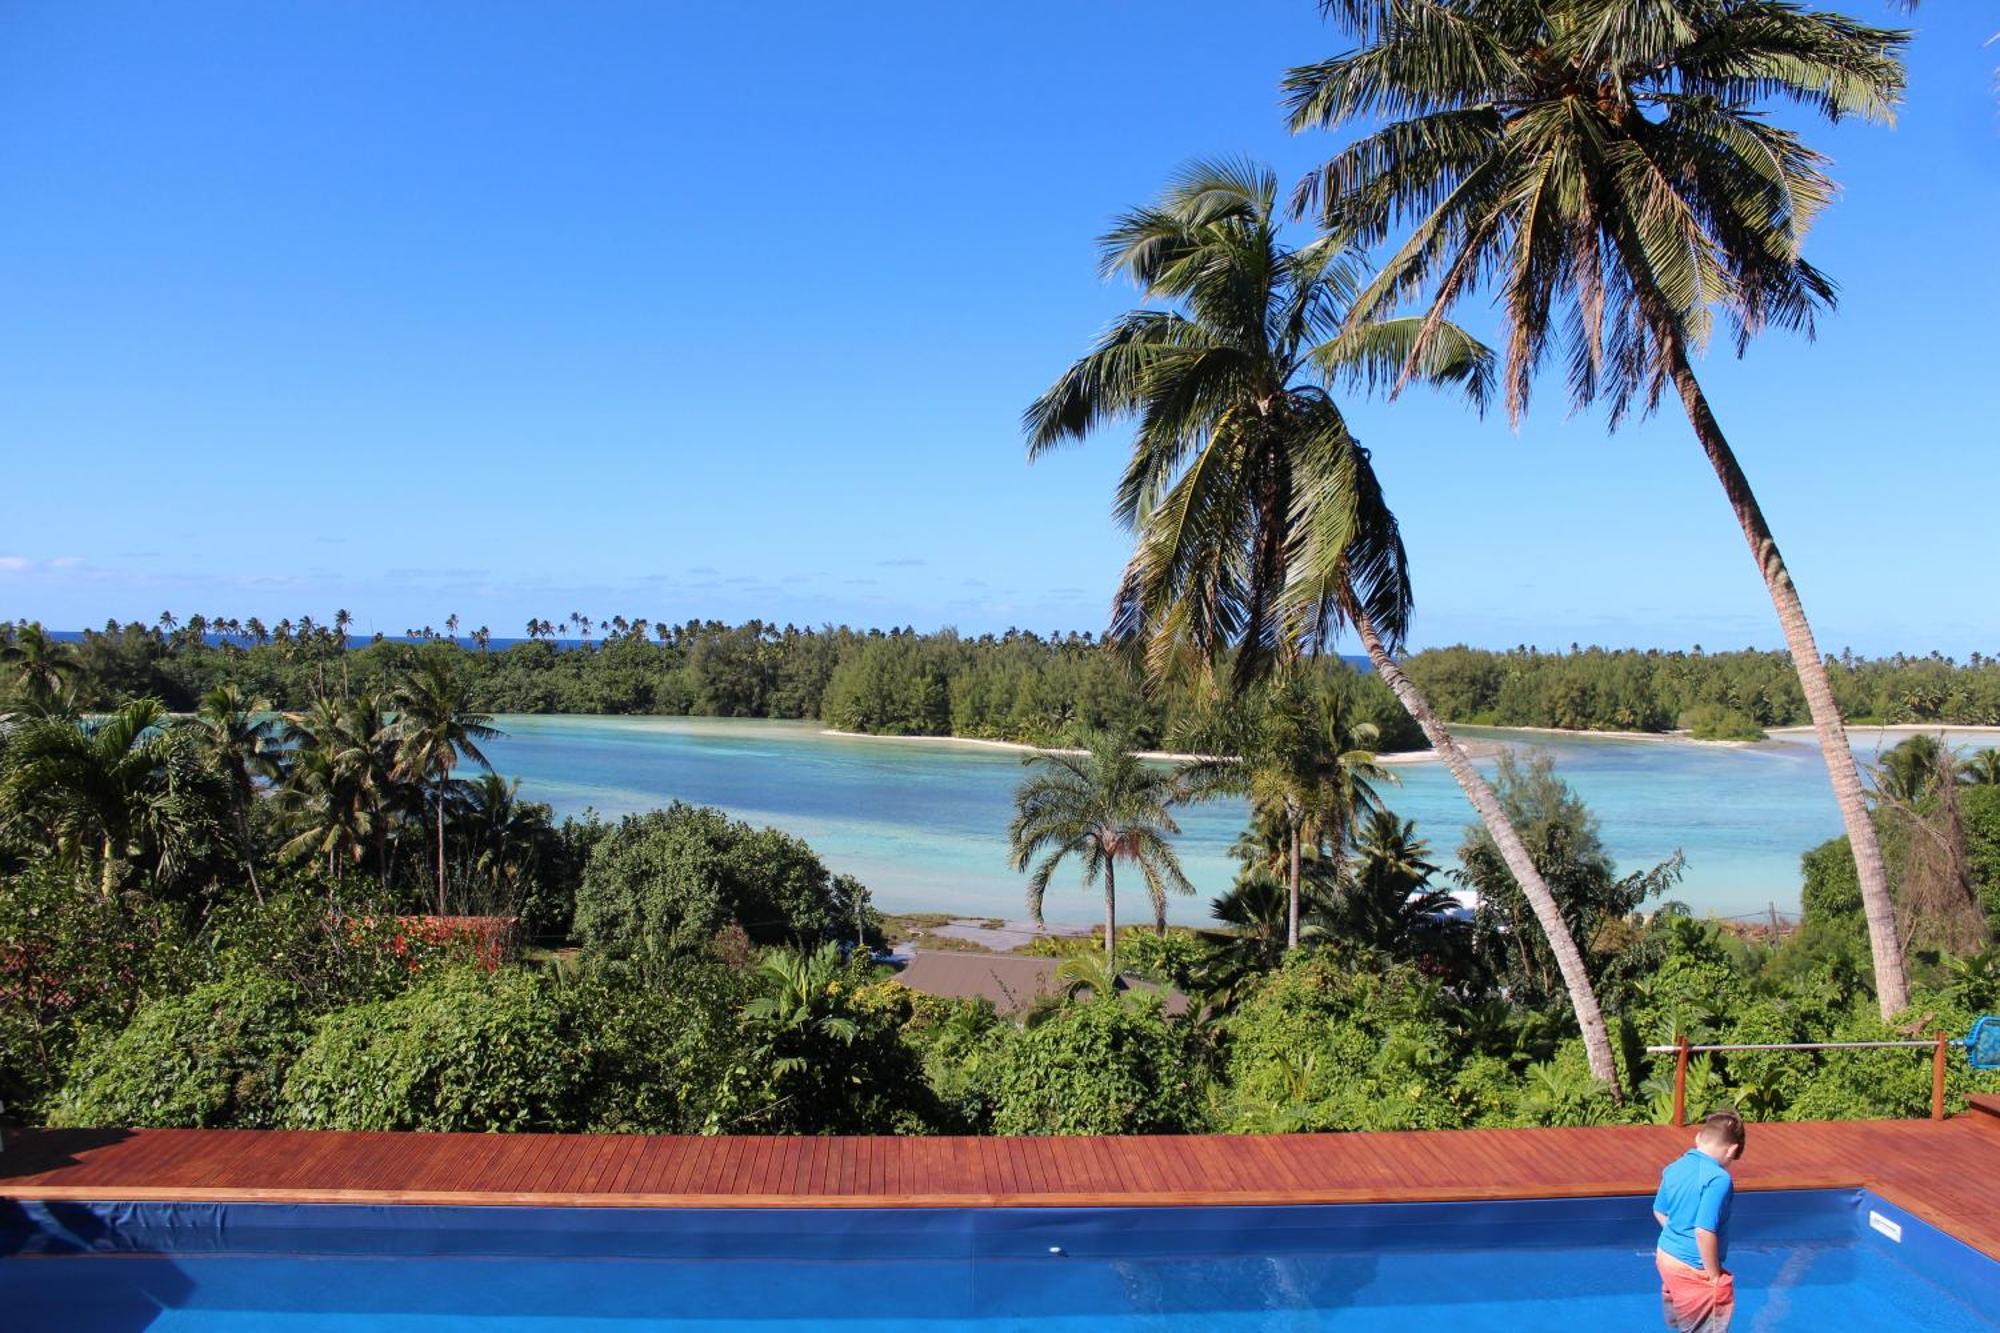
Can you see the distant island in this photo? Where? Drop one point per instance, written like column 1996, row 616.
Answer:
column 1019, row 686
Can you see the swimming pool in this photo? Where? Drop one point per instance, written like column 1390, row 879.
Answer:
column 1804, row 1259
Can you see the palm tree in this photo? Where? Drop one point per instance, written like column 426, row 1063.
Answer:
column 356, row 736
column 500, row 830
column 1243, row 478
column 1102, row 807
column 41, row 669
column 127, row 787
column 325, row 797
column 1609, row 164
column 434, row 729
column 238, row 735
column 1307, row 766
column 1915, row 768
column 1259, row 907
column 1259, row 521
column 1389, row 902
column 1983, row 768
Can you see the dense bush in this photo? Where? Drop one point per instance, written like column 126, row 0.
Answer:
column 658, row 1050
column 1321, row 1045
column 1718, row 722
column 72, row 962
column 1110, row 1066
column 811, row 1057
column 462, row 1050
column 663, row 884
column 214, row 1056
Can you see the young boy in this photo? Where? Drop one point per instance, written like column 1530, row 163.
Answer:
column 1692, row 1207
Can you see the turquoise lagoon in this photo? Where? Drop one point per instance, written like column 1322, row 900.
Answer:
column 923, row 822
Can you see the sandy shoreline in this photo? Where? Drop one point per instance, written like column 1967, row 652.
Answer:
column 1480, row 747
column 1676, row 737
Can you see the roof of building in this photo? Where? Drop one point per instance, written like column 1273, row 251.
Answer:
column 1009, row 981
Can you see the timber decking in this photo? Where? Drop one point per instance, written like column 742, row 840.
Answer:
column 1942, row 1171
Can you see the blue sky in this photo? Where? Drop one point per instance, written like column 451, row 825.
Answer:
column 711, row 310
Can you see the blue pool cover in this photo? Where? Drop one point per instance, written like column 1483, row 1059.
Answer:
column 1823, row 1259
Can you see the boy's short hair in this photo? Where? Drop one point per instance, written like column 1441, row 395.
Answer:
column 1723, row 1127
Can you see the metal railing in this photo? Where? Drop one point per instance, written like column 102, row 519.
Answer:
column 1681, row 1049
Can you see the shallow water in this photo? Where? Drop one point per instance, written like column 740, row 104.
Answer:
column 924, row 823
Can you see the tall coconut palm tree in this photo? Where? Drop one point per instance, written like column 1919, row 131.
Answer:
column 434, row 729
column 1260, row 525
column 1101, row 807
column 368, row 749
column 1608, row 165
column 325, row 801
column 240, row 737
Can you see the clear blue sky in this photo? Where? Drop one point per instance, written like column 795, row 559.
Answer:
column 723, row 310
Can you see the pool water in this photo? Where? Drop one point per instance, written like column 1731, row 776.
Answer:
column 1806, row 1260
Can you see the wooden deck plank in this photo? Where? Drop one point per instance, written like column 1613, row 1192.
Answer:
column 1939, row 1171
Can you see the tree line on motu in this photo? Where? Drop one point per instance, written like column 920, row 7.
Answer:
column 1016, row 686
column 1623, row 183
column 178, row 947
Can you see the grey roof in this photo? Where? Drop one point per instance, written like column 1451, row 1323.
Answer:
column 1011, row 982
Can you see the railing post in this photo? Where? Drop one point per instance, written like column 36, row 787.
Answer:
column 1937, row 1077
column 1681, row 1081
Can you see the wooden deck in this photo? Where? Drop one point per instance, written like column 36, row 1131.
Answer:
column 1940, row 1171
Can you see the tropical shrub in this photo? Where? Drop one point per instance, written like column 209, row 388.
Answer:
column 661, row 885
column 72, row 962
column 216, row 1055
column 658, row 1049
column 1107, row 1066
column 1321, row 1044
column 813, row 1058
column 461, row 1050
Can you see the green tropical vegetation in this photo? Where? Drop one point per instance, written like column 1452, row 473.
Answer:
column 695, row 974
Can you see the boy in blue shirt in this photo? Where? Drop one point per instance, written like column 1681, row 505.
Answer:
column 1697, row 1294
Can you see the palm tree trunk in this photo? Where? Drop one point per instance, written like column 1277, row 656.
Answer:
column 249, row 861
column 1569, row 960
column 440, row 821
column 1111, row 917
column 1292, row 886
column 1891, row 988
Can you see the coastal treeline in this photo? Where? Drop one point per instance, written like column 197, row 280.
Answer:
column 1017, row 686
column 1717, row 696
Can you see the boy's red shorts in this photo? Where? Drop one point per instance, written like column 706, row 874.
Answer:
column 1691, row 1303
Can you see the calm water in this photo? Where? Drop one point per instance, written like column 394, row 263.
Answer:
column 924, row 823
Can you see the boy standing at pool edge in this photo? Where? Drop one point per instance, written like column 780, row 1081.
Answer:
column 1692, row 1207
